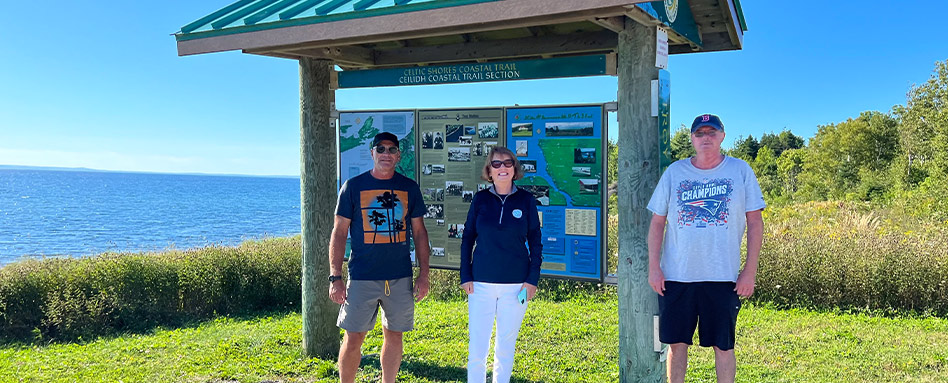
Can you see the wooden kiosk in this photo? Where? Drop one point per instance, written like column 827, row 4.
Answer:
column 358, row 35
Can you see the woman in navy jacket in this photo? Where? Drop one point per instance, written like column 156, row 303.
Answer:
column 500, row 257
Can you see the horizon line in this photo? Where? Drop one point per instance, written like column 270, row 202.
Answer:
column 92, row 170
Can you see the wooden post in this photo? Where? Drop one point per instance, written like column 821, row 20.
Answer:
column 317, row 202
column 638, row 175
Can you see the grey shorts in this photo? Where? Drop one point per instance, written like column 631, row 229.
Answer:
column 363, row 299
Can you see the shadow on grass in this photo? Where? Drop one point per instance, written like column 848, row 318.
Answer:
column 7, row 341
column 431, row 371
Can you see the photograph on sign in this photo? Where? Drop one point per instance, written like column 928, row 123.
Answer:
column 562, row 159
column 487, row 130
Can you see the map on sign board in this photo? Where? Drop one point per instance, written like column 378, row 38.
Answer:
column 561, row 152
column 356, row 131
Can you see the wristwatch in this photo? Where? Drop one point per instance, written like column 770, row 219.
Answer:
column 333, row 278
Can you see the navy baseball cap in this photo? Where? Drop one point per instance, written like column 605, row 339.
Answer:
column 707, row 120
column 384, row 136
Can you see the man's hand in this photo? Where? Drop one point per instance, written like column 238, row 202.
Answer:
column 531, row 290
column 421, row 288
column 745, row 283
column 337, row 292
column 656, row 279
column 468, row 287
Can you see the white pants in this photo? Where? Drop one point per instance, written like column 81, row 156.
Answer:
column 490, row 301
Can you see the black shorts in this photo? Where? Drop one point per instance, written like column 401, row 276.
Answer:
column 712, row 307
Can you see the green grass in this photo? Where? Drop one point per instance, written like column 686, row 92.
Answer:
column 572, row 341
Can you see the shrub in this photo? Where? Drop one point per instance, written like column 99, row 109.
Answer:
column 844, row 255
column 71, row 298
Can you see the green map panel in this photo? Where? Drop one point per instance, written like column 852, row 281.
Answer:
column 367, row 132
column 556, row 199
column 406, row 166
column 561, row 157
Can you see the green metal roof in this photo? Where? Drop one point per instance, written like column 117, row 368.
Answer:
column 255, row 15
column 740, row 15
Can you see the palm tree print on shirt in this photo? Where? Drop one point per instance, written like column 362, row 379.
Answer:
column 388, row 200
column 377, row 219
column 384, row 216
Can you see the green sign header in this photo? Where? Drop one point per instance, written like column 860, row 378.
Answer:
column 477, row 72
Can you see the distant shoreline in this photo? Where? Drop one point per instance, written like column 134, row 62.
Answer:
column 89, row 170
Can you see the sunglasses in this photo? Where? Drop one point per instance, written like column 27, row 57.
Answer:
column 711, row 133
column 508, row 163
column 391, row 149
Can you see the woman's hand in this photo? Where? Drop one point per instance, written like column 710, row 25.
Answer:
column 531, row 291
column 468, row 287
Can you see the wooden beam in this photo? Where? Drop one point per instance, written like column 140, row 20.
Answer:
column 355, row 55
column 470, row 18
column 317, row 201
column 639, row 16
column 720, row 41
column 278, row 55
column 602, row 41
column 615, row 24
column 638, row 175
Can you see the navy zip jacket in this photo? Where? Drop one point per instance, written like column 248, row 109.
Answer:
column 501, row 240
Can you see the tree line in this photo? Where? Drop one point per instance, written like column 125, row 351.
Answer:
column 897, row 158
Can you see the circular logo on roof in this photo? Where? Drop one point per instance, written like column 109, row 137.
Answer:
column 671, row 10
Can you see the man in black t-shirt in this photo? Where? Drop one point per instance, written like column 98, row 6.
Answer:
column 380, row 210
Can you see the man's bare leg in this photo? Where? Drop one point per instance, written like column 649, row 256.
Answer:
column 725, row 365
column 391, row 355
column 677, row 362
column 350, row 355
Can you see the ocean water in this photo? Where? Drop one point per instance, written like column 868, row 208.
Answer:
column 78, row 213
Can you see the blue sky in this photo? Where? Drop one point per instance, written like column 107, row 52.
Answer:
column 99, row 84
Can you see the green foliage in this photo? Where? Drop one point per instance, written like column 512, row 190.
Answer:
column 745, row 148
column 921, row 168
column 681, row 144
column 789, row 167
column 781, row 142
column 840, row 153
column 445, row 285
column 73, row 298
column 765, row 167
column 849, row 256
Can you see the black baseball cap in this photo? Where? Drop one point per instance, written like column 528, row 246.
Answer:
column 384, row 136
column 707, row 120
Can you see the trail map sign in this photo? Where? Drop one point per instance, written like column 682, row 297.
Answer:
column 561, row 150
column 356, row 131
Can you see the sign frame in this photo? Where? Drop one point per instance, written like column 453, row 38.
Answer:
column 504, row 139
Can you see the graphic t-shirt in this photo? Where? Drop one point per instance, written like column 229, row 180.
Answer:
column 706, row 220
column 381, row 213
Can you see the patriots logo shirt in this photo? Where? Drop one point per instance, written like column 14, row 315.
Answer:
column 704, row 203
column 706, row 215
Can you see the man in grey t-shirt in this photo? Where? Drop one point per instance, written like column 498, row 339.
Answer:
column 695, row 256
